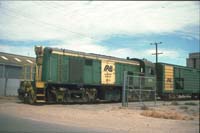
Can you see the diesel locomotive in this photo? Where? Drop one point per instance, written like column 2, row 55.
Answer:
column 66, row 76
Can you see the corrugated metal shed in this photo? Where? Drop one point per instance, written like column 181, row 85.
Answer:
column 11, row 69
column 17, row 60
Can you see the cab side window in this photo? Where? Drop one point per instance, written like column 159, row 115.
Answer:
column 150, row 71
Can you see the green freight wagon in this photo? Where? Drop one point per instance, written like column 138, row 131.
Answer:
column 174, row 80
column 69, row 76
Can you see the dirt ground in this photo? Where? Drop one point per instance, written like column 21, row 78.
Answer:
column 162, row 117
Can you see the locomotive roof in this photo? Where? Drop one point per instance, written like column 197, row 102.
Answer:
column 91, row 55
column 145, row 61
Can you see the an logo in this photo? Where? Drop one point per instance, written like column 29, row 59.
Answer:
column 169, row 80
column 108, row 68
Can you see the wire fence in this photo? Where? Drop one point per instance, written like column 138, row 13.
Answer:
column 138, row 88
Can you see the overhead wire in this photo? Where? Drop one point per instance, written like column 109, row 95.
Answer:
column 61, row 8
column 17, row 12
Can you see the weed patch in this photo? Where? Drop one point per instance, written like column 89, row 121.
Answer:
column 184, row 107
column 144, row 107
column 174, row 103
column 191, row 103
column 165, row 115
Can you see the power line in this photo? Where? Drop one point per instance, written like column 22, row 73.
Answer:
column 45, row 23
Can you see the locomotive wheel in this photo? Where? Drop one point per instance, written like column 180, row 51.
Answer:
column 25, row 99
column 164, row 97
column 86, row 98
column 30, row 98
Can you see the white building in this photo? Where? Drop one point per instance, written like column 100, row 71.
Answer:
column 194, row 60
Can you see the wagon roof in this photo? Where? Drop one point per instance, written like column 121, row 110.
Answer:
column 178, row 66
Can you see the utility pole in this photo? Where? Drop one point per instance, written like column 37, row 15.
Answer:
column 156, row 44
column 156, row 66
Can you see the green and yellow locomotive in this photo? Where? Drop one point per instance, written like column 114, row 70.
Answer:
column 67, row 76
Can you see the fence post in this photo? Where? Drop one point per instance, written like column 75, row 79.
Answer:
column 140, row 96
column 124, row 101
column 155, row 90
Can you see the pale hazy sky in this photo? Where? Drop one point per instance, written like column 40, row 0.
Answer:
column 117, row 28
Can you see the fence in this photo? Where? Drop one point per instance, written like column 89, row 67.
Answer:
column 138, row 88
